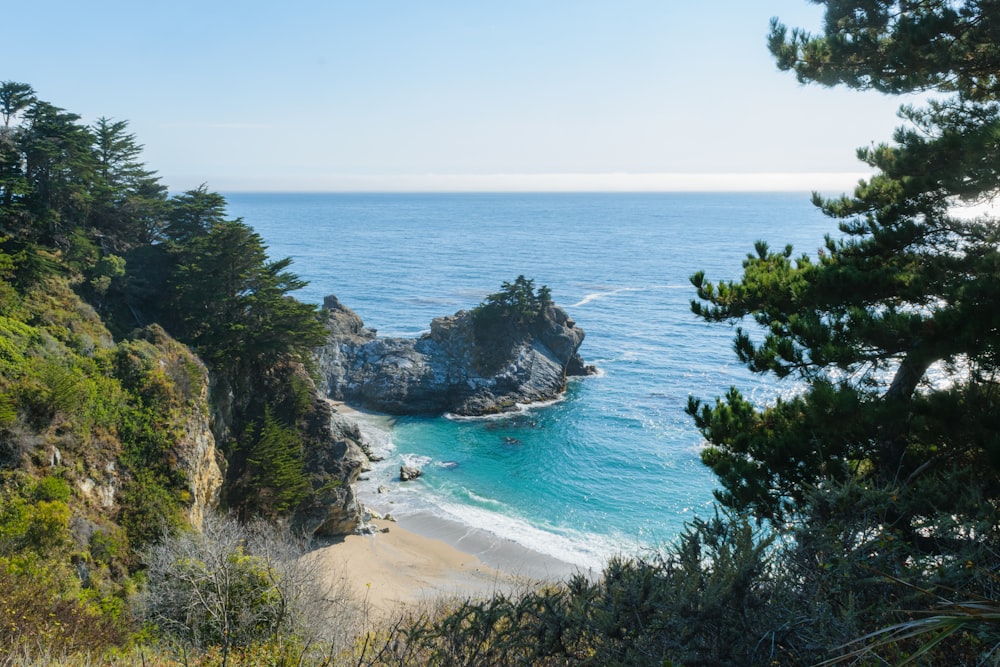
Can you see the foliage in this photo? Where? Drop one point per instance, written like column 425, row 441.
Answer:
column 516, row 302
column 31, row 617
column 275, row 481
column 898, row 46
column 41, row 600
column 129, row 201
column 234, row 304
column 96, row 414
column 14, row 98
column 505, row 318
column 194, row 213
column 234, row 585
column 711, row 599
column 885, row 464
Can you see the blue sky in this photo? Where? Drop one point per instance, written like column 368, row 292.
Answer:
column 449, row 95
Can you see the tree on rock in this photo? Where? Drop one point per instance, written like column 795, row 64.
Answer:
column 507, row 317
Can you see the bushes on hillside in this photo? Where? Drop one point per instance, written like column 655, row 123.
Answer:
column 236, row 586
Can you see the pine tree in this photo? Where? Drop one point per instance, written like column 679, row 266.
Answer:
column 893, row 328
column 234, row 305
column 129, row 201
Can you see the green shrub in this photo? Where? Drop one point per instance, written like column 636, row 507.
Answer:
column 150, row 508
column 37, row 618
column 52, row 488
column 710, row 599
column 235, row 587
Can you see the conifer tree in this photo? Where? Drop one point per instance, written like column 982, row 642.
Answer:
column 59, row 166
column 234, row 304
column 14, row 98
column 129, row 201
column 892, row 329
column 193, row 214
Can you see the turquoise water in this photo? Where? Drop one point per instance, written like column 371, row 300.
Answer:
column 614, row 466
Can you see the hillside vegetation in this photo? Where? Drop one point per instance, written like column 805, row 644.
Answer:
column 153, row 366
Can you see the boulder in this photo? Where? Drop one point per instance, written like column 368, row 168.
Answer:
column 407, row 473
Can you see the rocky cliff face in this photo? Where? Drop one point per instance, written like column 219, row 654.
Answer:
column 333, row 508
column 440, row 371
column 333, row 461
column 331, row 452
column 176, row 381
column 195, row 451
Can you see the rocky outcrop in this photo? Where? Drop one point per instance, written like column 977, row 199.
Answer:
column 333, row 462
column 196, row 453
column 407, row 473
column 165, row 372
column 332, row 455
column 441, row 371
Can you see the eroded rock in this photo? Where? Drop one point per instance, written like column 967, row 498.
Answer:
column 441, row 371
column 407, row 473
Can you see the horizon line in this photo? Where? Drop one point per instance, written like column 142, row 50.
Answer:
column 553, row 183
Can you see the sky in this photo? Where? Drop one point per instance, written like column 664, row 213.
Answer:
column 448, row 95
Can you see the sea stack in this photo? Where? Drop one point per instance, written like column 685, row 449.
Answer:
column 448, row 370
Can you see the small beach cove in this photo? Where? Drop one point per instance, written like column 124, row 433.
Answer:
column 614, row 466
column 417, row 558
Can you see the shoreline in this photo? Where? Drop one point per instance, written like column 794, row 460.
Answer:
column 494, row 551
column 422, row 557
column 399, row 570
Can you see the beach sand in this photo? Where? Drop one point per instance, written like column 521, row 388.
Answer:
column 402, row 568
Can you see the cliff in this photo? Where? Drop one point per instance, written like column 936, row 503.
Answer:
column 197, row 457
column 122, row 426
column 333, row 461
column 305, row 471
column 448, row 369
column 139, row 433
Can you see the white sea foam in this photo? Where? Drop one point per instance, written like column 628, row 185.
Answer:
column 519, row 409
column 376, row 430
column 481, row 499
column 611, row 292
column 415, row 460
column 585, row 550
column 594, row 296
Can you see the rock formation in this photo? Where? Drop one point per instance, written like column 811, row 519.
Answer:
column 333, row 464
column 333, row 457
column 443, row 370
column 406, row 473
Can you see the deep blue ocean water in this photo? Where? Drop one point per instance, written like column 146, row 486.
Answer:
column 614, row 466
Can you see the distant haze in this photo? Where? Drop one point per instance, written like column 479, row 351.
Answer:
column 564, row 95
column 766, row 182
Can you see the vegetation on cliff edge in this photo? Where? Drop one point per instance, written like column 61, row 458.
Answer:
column 859, row 518
column 101, row 274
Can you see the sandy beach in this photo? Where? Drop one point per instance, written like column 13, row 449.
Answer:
column 399, row 567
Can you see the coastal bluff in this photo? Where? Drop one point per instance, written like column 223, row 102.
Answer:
column 447, row 370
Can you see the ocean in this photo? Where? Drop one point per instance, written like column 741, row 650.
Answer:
column 611, row 468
